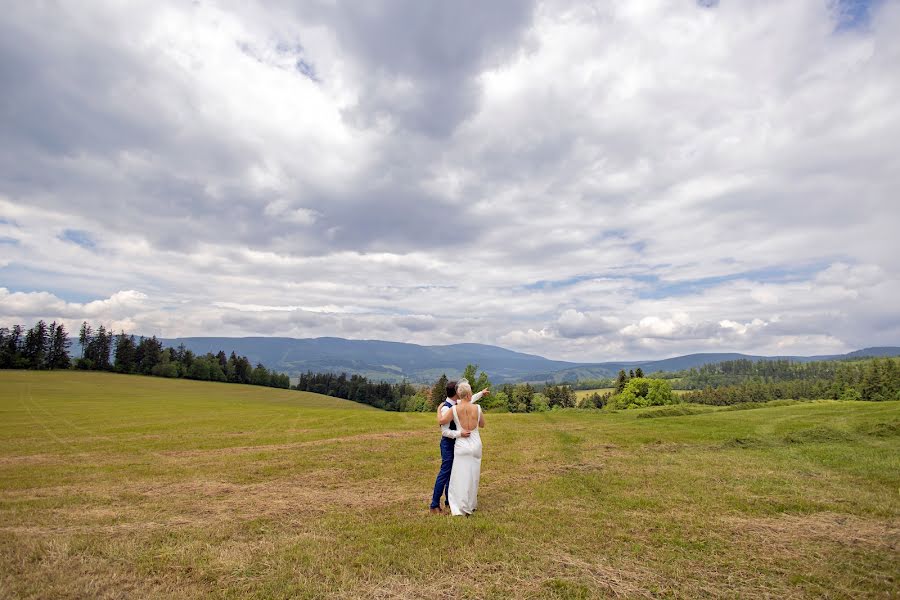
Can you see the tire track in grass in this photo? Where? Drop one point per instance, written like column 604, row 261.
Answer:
column 65, row 443
column 65, row 421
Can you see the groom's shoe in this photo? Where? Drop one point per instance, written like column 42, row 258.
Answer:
column 436, row 510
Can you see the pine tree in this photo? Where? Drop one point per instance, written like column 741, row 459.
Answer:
column 621, row 381
column 125, row 353
column 36, row 342
column 58, row 354
column 84, row 336
column 639, row 372
column 478, row 382
column 439, row 391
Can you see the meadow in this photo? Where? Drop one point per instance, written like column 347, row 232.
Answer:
column 115, row 486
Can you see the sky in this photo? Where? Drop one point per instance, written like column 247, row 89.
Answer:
column 586, row 181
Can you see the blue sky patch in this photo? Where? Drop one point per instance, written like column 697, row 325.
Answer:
column 768, row 275
column 854, row 14
column 307, row 70
column 81, row 238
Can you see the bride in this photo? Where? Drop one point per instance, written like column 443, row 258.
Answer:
column 464, row 477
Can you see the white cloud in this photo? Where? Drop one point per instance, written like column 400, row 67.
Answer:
column 586, row 182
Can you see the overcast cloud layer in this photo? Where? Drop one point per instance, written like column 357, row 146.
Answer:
column 586, row 181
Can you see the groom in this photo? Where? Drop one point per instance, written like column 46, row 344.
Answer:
column 449, row 435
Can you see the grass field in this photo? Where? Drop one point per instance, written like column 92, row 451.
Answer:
column 123, row 486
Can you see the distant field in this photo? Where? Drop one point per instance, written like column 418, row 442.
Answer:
column 584, row 393
column 123, row 486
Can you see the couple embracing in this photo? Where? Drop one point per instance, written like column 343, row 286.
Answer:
column 460, row 419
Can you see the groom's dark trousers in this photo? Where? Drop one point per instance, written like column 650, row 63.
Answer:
column 442, row 483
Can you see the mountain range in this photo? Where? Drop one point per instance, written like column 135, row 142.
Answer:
column 395, row 361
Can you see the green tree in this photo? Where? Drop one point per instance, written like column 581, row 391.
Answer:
column 539, row 403
column 200, row 369
column 439, row 392
column 640, row 392
column 595, row 400
column 58, row 349
column 621, row 381
column 523, row 396
column 639, row 372
column 479, row 382
column 125, row 353
column 496, row 402
column 84, row 336
column 259, row 375
column 35, row 350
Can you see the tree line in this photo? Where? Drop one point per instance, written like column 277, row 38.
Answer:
column 47, row 347
column 407, row 397
column 871, row 380
column 734, row 372
column 41, row 347
column 403, row 396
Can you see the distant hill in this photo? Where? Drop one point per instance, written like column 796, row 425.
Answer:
column 689, row 361
column 394, row 361
column 391, row 361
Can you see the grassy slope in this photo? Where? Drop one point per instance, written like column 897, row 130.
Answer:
column 116, row 486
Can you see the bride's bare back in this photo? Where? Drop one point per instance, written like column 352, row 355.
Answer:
column 468, row 415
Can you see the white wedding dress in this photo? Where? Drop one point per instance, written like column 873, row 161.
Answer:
column 466, row 471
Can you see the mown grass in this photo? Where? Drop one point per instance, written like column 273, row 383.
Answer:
column 122, row 486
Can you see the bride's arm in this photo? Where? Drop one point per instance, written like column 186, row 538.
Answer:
column 477, row 397
column 480, row 418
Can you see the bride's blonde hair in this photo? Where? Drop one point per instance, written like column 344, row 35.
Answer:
column 463, row 389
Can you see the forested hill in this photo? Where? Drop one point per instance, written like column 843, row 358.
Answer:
column 395, row 361
column 375, row 359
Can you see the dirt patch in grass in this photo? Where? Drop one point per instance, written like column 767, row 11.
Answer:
column 30, row 459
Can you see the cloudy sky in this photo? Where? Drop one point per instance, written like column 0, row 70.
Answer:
column 581, row 180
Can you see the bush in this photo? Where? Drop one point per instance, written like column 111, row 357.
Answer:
column 640, row 392
column 850, row 393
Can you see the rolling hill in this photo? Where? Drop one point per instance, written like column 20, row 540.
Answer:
column 394, row 361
